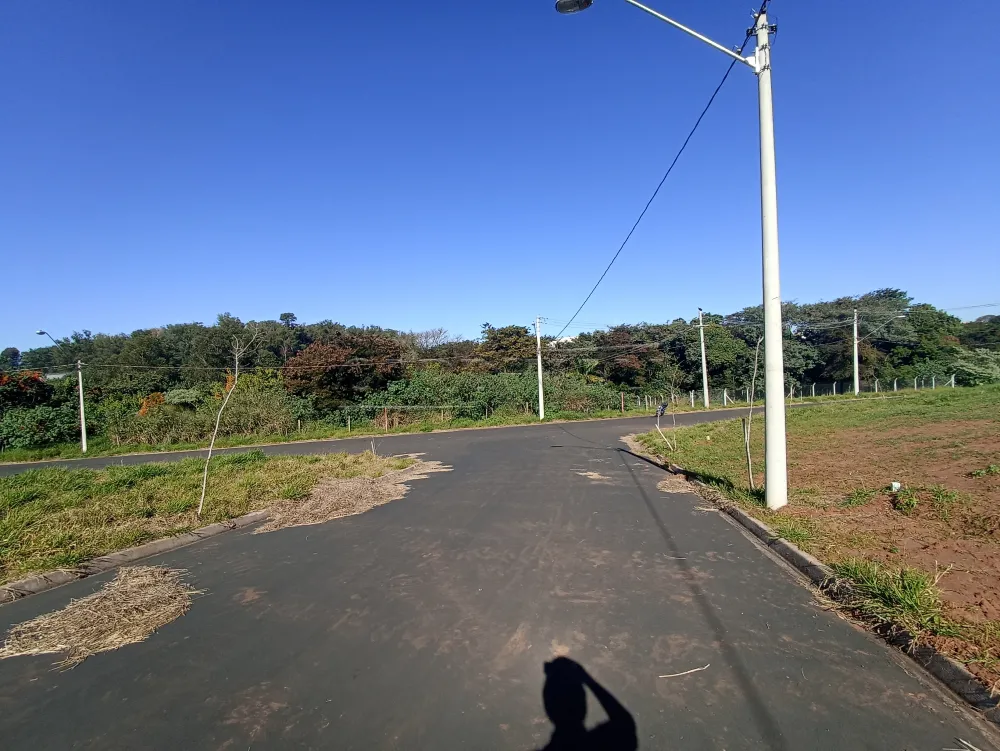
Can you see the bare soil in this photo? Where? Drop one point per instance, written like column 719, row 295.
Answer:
column 953, row 530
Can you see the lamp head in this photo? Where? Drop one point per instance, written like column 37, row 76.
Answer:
column 573, row 6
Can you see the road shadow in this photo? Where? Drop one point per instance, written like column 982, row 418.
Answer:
column 723, row 484
column 565, row 698
column 767, row 726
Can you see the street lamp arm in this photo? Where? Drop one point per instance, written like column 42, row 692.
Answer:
column 748, row 61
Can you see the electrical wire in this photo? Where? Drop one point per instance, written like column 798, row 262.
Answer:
column 670, row 169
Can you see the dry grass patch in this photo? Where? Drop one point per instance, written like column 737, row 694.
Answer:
column 140, row 600
column 334, row 498
column 674, row 484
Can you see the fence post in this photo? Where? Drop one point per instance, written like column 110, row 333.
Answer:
column 876, row 385
column 348, row 423
column 725, row 398
column 933, row 382
column 953, row 380
column 834, row 388
column 895, row 383
column 914, row 384
column 623, row 401
column 692, row 399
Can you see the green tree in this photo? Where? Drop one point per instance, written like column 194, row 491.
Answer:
column 506, row 349
column 10, row 358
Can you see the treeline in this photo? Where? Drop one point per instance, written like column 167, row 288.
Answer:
column 164, row 385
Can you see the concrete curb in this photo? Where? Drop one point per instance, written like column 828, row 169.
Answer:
column 51, row 579
column 950, row 672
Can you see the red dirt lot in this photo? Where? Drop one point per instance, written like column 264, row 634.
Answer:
column 953, row 531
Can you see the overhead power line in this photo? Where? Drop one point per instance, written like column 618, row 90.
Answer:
column 670, row 169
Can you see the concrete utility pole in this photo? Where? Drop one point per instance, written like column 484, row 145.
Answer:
column 776, row 470
column 83, row 417
column 79, row 384
column 857, row 380
column 704, row 361
column 538, row 351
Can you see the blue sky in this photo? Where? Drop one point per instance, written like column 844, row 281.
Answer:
column 444, row 164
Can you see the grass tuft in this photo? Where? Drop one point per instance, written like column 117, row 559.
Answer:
column 898, row 595
column 906, row 501
column 858, row 497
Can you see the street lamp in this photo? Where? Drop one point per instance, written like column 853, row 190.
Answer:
column 776, row 475
column 46, row 333
column 79, row 384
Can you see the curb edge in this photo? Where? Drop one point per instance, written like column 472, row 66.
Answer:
column 948, row 671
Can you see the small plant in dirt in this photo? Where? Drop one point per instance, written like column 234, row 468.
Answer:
column 857, row 497
column 993, row 469
column 943, row 499
column 906, row 501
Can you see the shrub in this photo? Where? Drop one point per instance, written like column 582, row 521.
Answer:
column 38, row 426
column 255, row 408
column 24, row 389
column 978, row 367
column 183, row 397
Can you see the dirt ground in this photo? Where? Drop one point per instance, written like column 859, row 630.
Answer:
column 952, row 529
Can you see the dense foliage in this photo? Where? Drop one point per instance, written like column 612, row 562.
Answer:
column 164, row 385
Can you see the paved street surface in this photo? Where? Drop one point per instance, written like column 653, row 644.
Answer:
column 425, row 624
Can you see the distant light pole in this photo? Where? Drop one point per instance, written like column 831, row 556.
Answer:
column 538, row 352
column 79, row 384
column 776, row 474
column 857, row 378
column 704, row 360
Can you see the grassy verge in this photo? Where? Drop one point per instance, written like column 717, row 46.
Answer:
column 924, row 556
column 100, row 446
column 52, row 518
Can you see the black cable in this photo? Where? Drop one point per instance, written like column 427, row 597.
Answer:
column 665, row 176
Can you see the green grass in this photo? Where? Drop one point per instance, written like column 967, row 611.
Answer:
column 858, row 497
column 942, row 499
column 797, row 531
column 51, row 518
column 903, row 595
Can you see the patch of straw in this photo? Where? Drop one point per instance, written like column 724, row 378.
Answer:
column 674, row 484
column 335, row 498
column 126, row 610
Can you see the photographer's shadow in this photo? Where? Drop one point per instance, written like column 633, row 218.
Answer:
column 565, row 700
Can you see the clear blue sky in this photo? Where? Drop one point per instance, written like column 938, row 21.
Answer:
column 447, row 163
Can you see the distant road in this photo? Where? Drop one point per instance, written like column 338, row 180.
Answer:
column 393, row 444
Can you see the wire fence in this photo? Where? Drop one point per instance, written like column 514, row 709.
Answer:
column 740, row 396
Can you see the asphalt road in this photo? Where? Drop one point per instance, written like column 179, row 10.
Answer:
column 426, row 623
column 388, row 444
